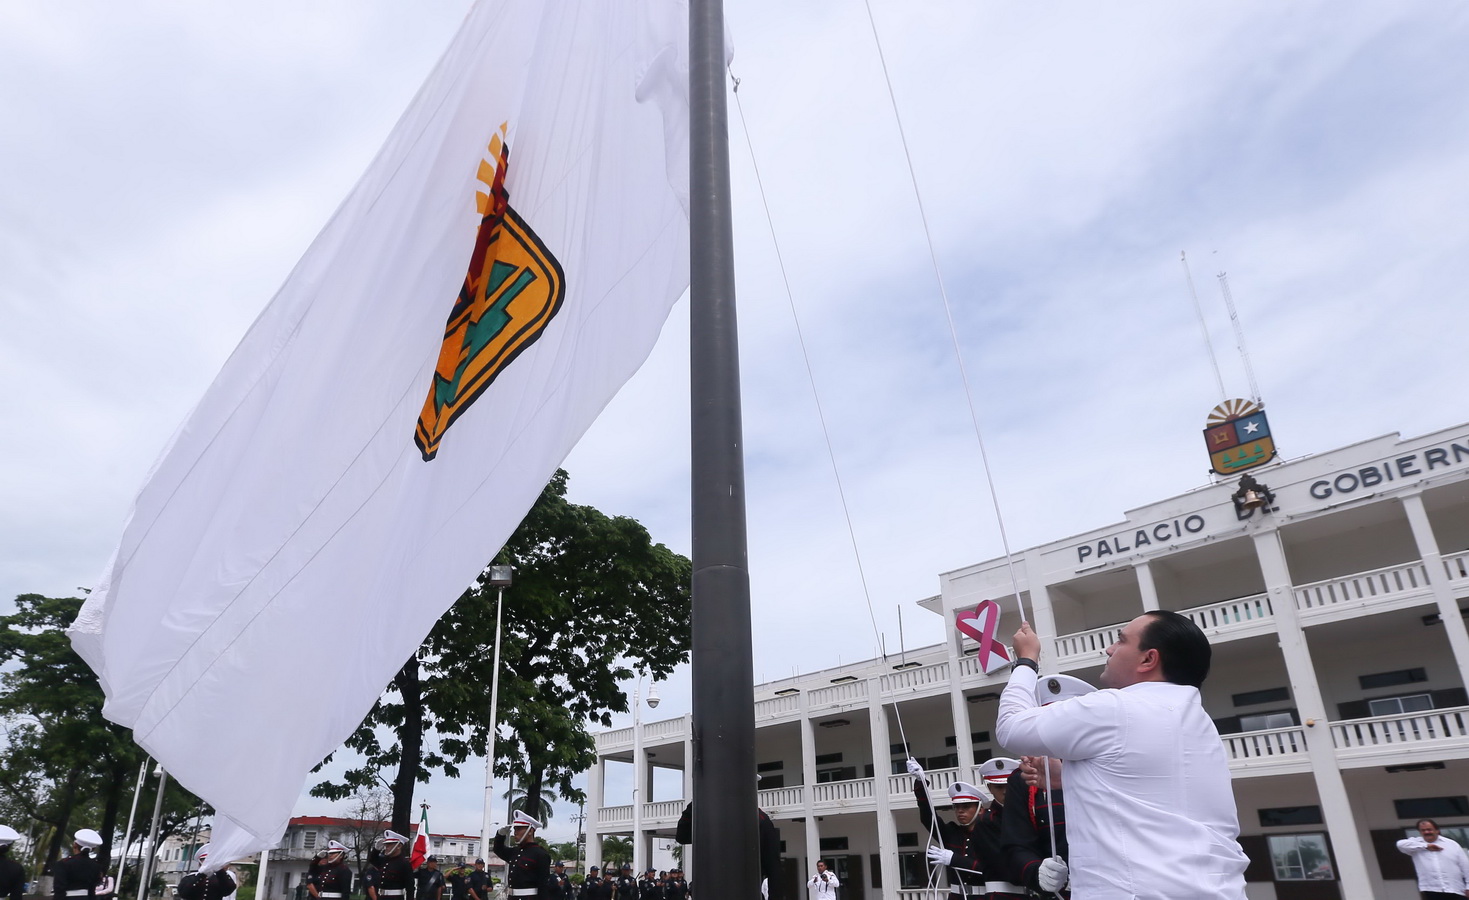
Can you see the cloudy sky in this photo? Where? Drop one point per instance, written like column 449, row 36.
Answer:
column 166, row 164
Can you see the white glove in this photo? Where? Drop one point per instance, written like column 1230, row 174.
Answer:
column 1053, row 874
column 914, row 768
column 940, row 855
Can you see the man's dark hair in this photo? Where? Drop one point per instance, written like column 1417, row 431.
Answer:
column 1182, row 648
column 1420, row 822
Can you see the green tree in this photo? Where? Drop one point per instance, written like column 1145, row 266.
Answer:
column 594, row 602
column 62, row 764
column 616, row 851
column 566, row 850
column 520, row 802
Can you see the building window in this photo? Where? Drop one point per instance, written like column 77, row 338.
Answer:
column 1290, row 815
column 308, row 840
column 771, row 782
column 834, row 843
column 1265, row 721
column 907, row 839
column 913, row 871
column 1393, row 706
column 1392, row 679
column 469, row 848
column 828, row 758
column 1431, row 807
column 1270, row 695
column 844, row 774
column 775, row 766
column 1301, row 857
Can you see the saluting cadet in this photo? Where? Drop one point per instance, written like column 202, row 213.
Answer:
column 1150, row 806
column 389, row 873
column 626, row 887
column 333, row 877
column 527, row 864
column 996, row 775
column 78, row 874
column 958, row 849
column 12, row 873
column 649, row 887
column 564, row 887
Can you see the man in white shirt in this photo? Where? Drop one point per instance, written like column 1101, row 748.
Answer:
column 823, row 885
column 1443, row 867
column 1150, row 809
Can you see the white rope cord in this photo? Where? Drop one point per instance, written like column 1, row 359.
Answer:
column 826, row 436
column 958, row 354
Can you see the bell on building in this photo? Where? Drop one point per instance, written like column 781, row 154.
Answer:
column 1252, row 500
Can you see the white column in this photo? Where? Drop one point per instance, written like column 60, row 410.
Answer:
column 595, row 785
column 1040, row 607
column 1351, row 855
column 1448, row 607
column 887, row 830
column 1146, row 587
column 958, row 706
column 639, row 779
column 808, row 786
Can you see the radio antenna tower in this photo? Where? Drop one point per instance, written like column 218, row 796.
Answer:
column 1203, row 325
column 1239, row 336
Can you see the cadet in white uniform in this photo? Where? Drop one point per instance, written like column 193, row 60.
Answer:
column 1150, row 809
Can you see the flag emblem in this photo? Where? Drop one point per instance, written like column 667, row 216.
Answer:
column 1238, row 437
column 512, row 290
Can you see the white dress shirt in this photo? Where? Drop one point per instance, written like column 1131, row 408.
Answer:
column 1446, row 870
column 824, row 889
column 1150, row 809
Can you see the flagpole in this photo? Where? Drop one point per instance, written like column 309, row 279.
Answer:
column 499, row 579
column 725, row 825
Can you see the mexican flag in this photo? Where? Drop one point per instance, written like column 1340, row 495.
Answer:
column 420, row 842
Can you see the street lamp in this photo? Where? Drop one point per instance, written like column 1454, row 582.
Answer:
column 640, row 768
column 499, row 577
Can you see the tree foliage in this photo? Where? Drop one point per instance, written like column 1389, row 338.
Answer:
column 594, row 601
column 62, row 765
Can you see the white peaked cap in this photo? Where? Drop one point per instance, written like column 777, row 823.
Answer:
column 336, row 847
column 393, row 837
column 523, row 819
column 1055, row 688
column 202, row 852
column 964, row 792
column 8, row 835
column 88, row 838
column 998, row 770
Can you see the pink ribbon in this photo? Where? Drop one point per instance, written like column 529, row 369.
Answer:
column 987, row 614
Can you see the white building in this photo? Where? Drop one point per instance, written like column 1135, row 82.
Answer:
column 1340, row 663
column 305, row 835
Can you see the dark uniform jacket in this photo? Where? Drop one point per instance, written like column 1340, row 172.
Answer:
column 769, row 849
column 675, row 889
column 430, row 884
column 78, row 872
column 12, row 877
column 992, row 861
column 213, row 886
column 597, row 888
column 626, row 887
column 650, row 889
column 479, row 882
column 1025, row 835
column 334, row 881
column 967, row 867
column 528, row 868
column 385, row 875
column 564, row 888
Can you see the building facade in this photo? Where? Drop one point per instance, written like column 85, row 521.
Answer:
column 306, row 835
column 1341, row 658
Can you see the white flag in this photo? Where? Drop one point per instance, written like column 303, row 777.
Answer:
column 502, row 268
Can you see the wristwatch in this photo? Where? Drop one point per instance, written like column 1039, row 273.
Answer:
column 1025, row 661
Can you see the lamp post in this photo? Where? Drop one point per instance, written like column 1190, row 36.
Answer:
column 145, row 873
column 500, row 578
column 640, row 768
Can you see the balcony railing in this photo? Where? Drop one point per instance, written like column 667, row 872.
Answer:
column 1230, row 614
column 653, row 731
column 1456, row 566
column 614, row 738
column 614, row 815
column 938, row 780
column 1086, row 643
column 842, row 793
column 850, row 692
column 1364, row 588
column 1439, row 728
column 771, row 707
column 662, row 809
column 1274, row 745
column 916, row 679
column 781, row 799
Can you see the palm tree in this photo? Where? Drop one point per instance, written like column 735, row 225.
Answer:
column 517, row 797
column 616, row 851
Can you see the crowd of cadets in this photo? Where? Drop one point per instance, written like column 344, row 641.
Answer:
column 651, row 885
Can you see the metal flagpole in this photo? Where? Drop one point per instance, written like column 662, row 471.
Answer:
column 725, row 823
column 500, row 579
column 260, row 890
column 145, row 872
column 127, row 833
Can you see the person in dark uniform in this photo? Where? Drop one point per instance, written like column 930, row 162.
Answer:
column 333, row 877
column 1025, row 834
column 649, row 887
column 458, row 880
column 589, row 885
column 479, row 882
column 626, row 887
column 78, row 874
column 12, row 873
column 675, row 888
column 389, row 874
column 564, row 887
column 527, row 864
column 996, row 774
column 772, row 885
column 430, row 880
column 957, row 849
